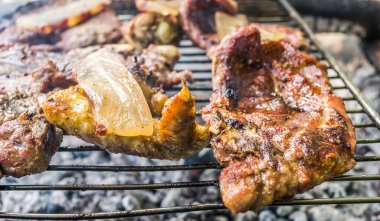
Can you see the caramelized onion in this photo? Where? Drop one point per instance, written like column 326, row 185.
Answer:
column 67, row 15
column 119, row 104
column 163, row 7
column 271, row 34
column 226, row 23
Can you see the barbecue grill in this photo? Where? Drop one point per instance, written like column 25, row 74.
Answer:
column 194, row 59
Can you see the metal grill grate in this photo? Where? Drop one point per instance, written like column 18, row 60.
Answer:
column 268, row 11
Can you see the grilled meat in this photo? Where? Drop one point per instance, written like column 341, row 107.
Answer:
column 160, row 61
column 152, row 69
column 43, row 68
column 100, row 29
column 13, row 34
column 278, row 127
column 152, row 28
column 27, row 139
column 17, row 62
column 198, row 19
column 175, row 136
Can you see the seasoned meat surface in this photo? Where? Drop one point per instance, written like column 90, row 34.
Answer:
column 27, row 139
column 279, row 129
column 175, row 135
column 17, row 62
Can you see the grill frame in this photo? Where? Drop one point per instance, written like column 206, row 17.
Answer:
column 289, row 16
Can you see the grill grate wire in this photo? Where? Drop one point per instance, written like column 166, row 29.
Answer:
column 194, row 59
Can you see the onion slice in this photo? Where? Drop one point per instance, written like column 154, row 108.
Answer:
column 119, row 105
column 67, row 15
column 271, row 34
column 226, row 23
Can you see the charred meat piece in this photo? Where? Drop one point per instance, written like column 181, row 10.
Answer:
column 198, row 19
column 207, row 27
column 60, row 15
column 159, row 61
column 16, row 35
column 278, row 127
column 102, row 28
column 175, row 136
column 27, row 139
column 152, row 28
column 17, row 62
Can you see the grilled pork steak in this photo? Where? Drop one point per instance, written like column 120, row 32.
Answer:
column 27, row 139
column 278, row 127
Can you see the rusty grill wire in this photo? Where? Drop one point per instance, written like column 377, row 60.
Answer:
column 194, row 59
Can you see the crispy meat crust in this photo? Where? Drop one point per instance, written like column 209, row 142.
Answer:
column 27, row 139
column 175, row 136
column 279, row 128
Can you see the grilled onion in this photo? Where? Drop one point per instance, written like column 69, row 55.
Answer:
column 119, row 105
column 226, row 23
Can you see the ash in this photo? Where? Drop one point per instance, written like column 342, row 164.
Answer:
column 345, row 47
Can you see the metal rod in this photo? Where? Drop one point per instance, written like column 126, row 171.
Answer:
column 208, row 166
column 85, row 187
column 150, row 186
column 178, row 209
column 367, row 140
column 98, row 168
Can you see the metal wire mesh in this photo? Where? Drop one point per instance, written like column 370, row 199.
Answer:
column 194, row 59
